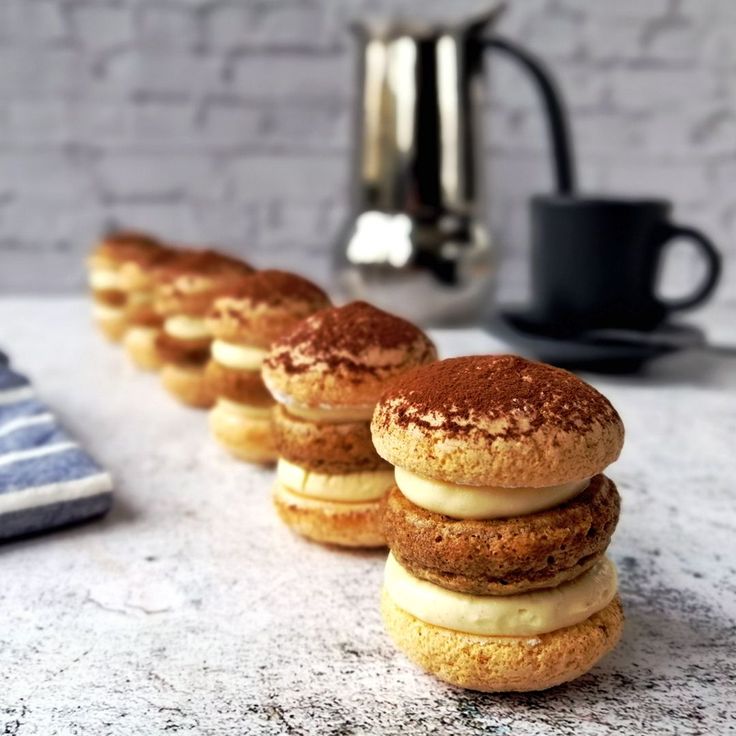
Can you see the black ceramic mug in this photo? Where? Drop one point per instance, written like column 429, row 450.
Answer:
column 595, row 262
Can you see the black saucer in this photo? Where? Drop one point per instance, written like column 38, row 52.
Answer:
column 601, row 351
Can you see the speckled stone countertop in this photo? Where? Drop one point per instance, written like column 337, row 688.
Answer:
column 191, row 609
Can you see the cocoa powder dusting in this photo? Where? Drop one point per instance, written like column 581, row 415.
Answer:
column 339, row 335
column 275, row 288
column 201, row 263
column 128, row 245
column 492, row 387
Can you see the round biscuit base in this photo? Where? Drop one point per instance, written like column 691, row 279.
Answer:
column 187, row 384
column 332, row 523
column 140, row 346
column 326, row 448
column 113, row 328
column 501, row 663
column 249, row 440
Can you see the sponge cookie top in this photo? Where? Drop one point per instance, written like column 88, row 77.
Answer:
column 344, row 357
column 496, row 420
column 261, row 307
column 124, row 246
column 189, row 281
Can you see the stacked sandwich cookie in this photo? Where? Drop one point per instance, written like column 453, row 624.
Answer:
column 327, row 375
column 187, row 286
column 104, row 266
column 244, row 323
column 138, row 279
column 499, row 521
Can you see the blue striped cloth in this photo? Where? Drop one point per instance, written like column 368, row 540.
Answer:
column 46, row 479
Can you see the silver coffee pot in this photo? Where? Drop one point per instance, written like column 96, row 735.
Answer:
column 418, row 243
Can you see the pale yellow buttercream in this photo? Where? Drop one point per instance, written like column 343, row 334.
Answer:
column 140, row 333
column 482, row 502
column 239, row 357
column 344, row 488
column 104, row 279
column 184, row 327
column 105, row 311
column 243, row 411
column 331, row 414
column 296, row 499
column 523, row 614
column 139, row 298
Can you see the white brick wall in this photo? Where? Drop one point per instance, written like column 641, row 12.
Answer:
column 229, row 121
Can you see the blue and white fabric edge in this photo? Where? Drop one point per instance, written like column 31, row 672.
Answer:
column 46, row 479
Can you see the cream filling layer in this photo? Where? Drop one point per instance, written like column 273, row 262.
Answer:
column 184, row 327
column 141, row 333
column 524, row 614
column 104, row 279
column 140, row 298
column 483, row 502
column 331, row 414
column 239, row 357
column 243, row 411
column 344, row 488
column 294, row 499
column 105, row 311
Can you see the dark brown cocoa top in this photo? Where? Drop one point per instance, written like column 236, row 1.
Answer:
column 461, row 391
column 339, row 336
column 277, row 288
column 201, row 263
column 129, row 245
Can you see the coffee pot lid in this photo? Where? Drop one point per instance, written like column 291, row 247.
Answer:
column 386, row 29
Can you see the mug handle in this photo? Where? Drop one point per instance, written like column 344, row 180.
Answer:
column 712, row 260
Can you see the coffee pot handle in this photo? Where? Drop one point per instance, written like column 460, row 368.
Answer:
column 557, row 119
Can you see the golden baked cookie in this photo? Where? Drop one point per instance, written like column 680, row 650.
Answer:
column 499, row 521
column 245, row 387
column 124, row 246
column 325, row 447
column 503, row 556
column 504, row 663
column 261, row 308
column 143, row 274
column 140, row 345
column 327, row 373
column 109, row 297
column 244, row 320
column 139, row 280
column 245, row 435
column 187, row 383
column 140, row 309
column 141, row 315
column 341, row 524
column 182, row 352
column 110, row 321
column 344, row 357
column 188, row 283
column 105, row 264
column 496, row 420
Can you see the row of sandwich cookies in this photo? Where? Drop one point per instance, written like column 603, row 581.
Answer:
column 514, row 568
column 211, row 323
